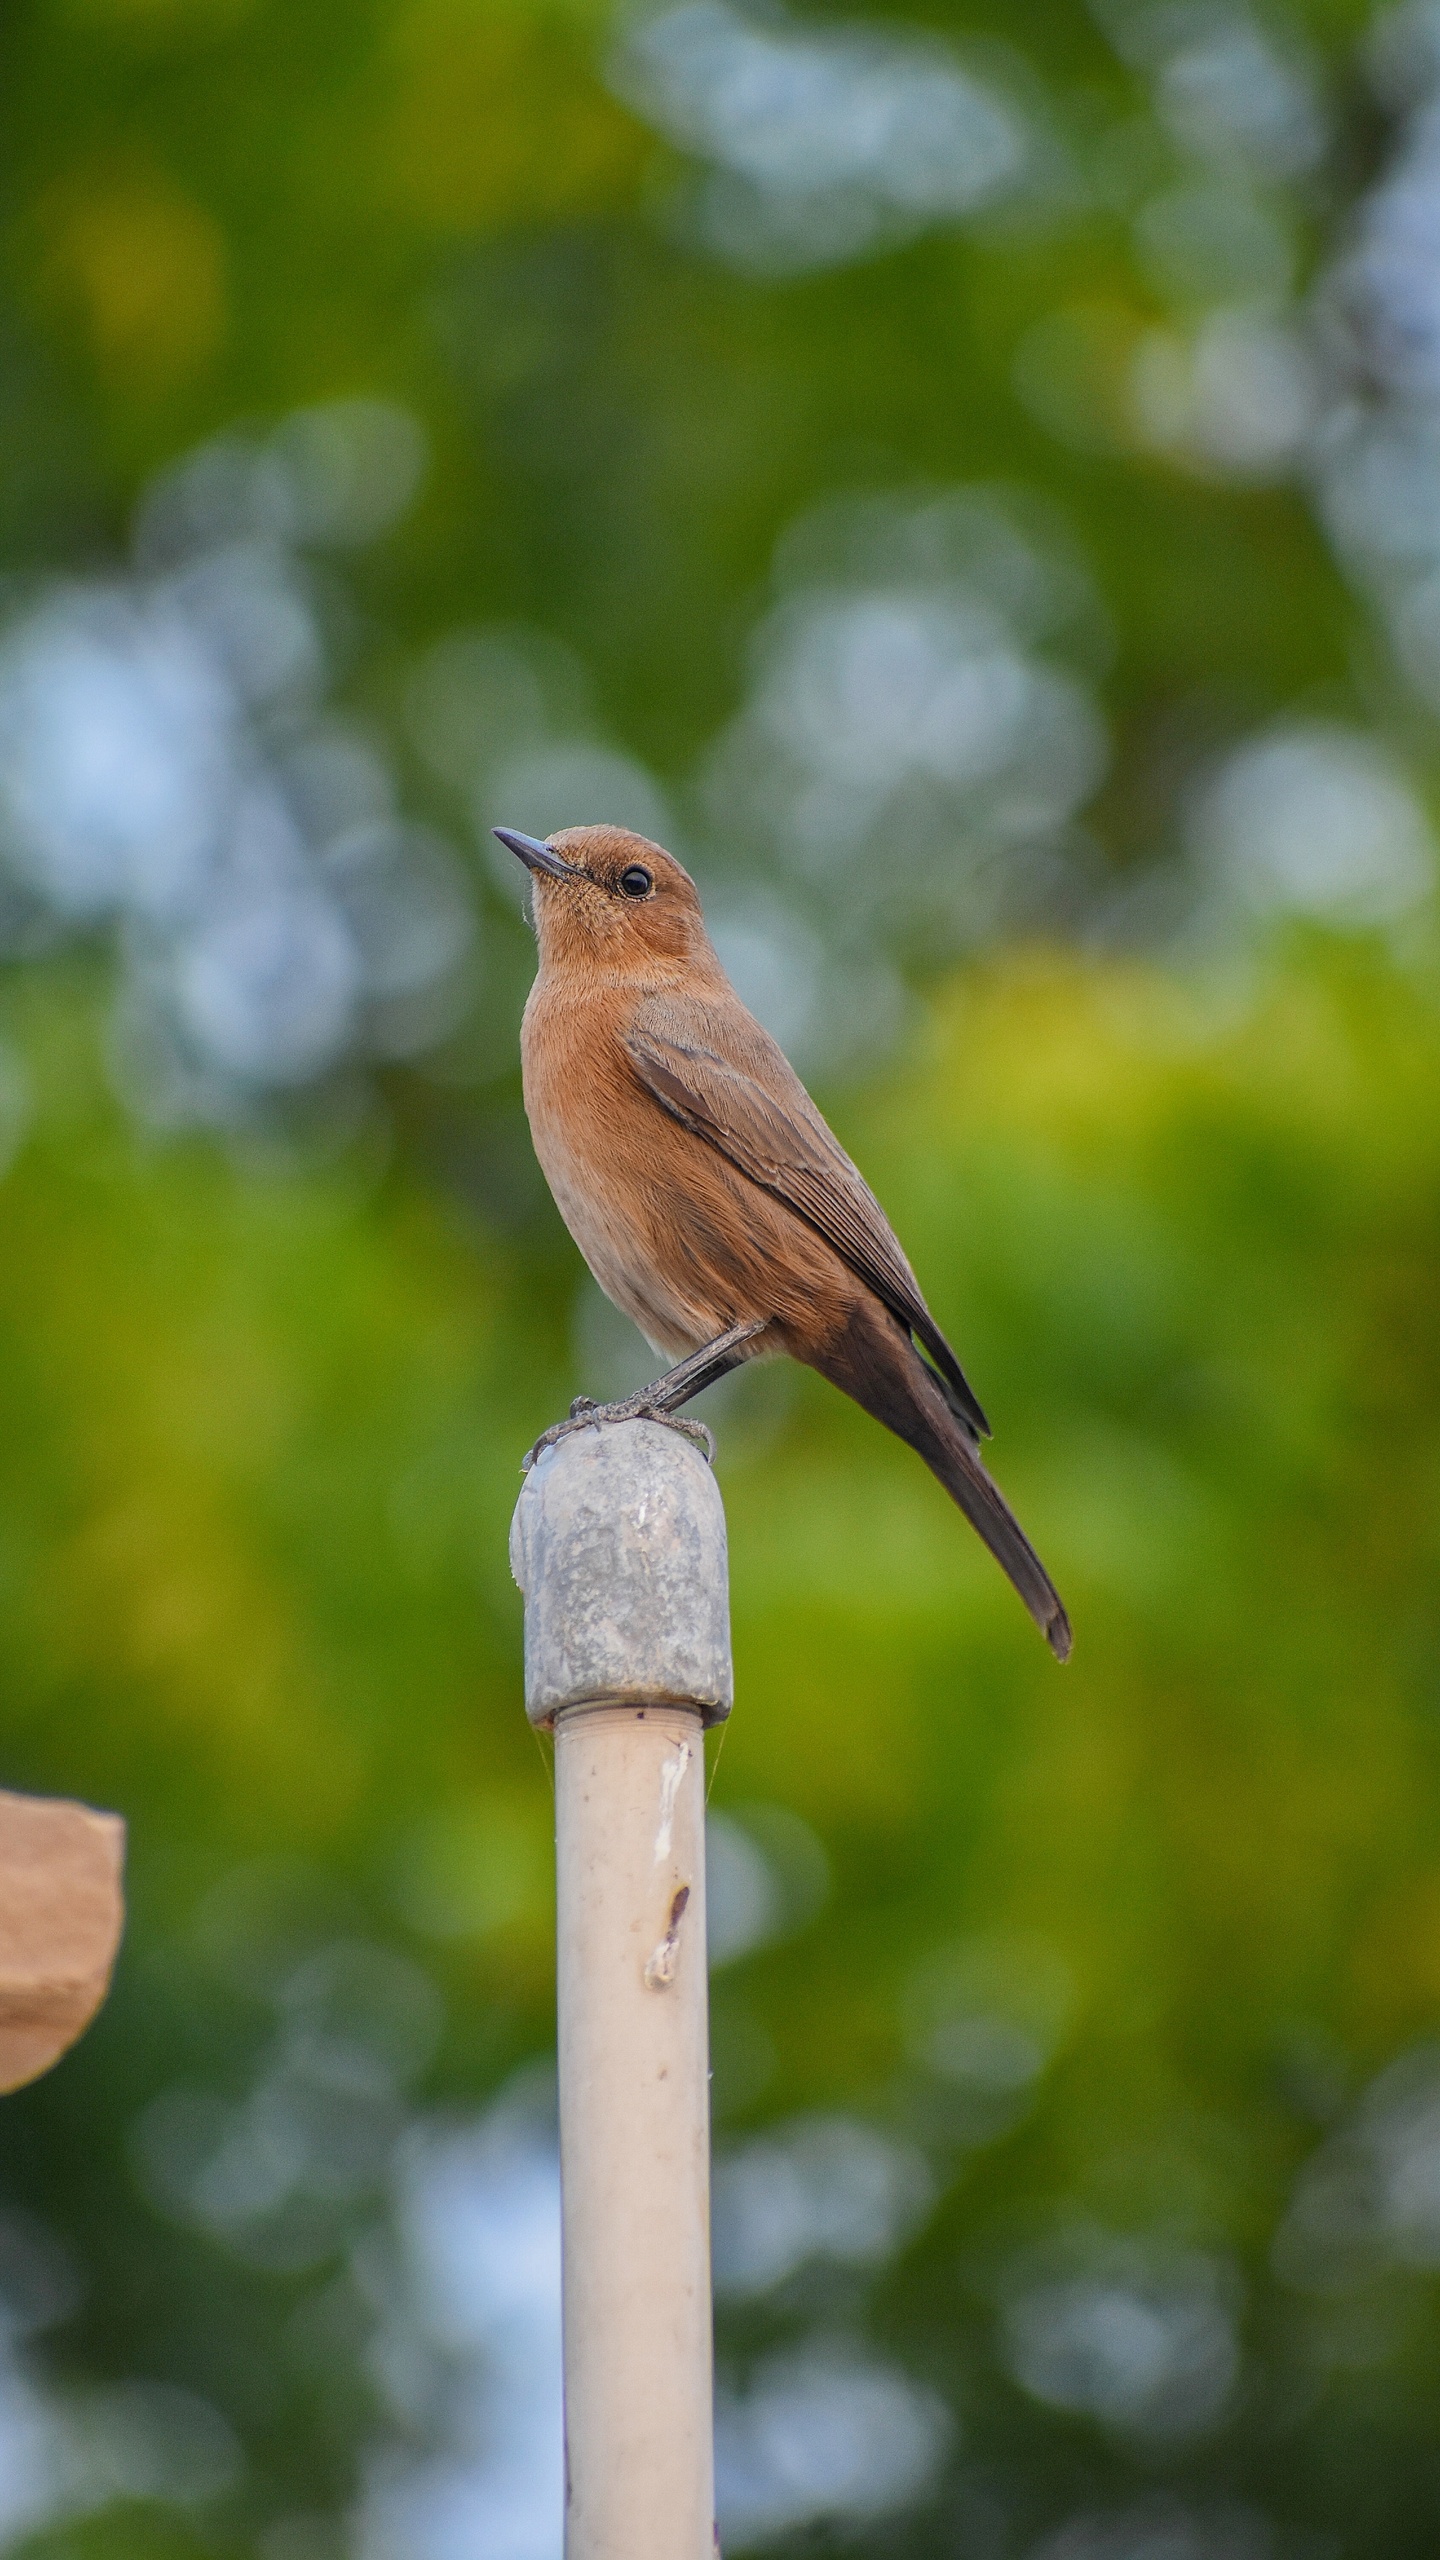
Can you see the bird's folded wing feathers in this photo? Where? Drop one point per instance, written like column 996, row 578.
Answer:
column 786, row 1148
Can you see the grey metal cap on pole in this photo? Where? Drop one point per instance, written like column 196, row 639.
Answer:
column 619, row 1547
column 618, row 1543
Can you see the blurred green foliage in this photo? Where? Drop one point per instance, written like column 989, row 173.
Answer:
column 262, row 1402
column 259, row 1452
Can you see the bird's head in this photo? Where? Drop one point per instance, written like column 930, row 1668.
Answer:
column 609, row 899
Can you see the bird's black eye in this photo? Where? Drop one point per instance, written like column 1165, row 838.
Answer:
column 636, row 882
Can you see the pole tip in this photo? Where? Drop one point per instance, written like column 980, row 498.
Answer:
column 618, row 1544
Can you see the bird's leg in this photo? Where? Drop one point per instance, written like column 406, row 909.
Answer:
column 662, row 1399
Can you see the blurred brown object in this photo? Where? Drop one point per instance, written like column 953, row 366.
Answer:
column 61, row 1914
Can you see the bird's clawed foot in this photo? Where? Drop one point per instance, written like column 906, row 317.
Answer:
column 585, row 1412
column 660, row 1401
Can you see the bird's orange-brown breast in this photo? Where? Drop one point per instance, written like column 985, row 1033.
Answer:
column 673, row 1234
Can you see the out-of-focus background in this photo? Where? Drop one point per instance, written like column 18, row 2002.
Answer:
column 967, row 478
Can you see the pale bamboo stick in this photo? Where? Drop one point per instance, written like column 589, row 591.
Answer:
column 619, row 1547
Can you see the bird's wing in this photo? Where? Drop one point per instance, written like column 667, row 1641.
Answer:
column 780, row 1142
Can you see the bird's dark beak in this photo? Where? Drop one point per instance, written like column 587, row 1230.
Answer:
column 535, row 855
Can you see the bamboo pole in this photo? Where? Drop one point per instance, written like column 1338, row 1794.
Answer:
column 619, row 1548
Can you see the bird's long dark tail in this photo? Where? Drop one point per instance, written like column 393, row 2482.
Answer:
column 874, row 1361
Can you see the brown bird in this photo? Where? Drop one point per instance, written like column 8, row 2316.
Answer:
column 703, row 1188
